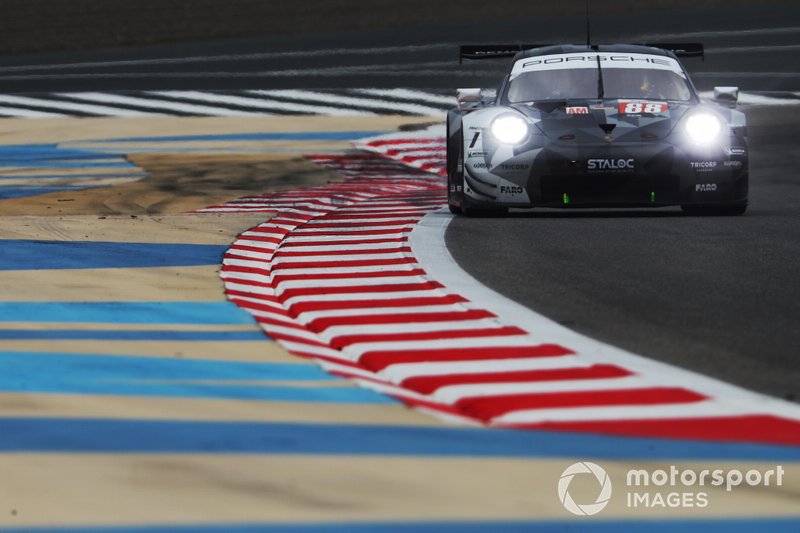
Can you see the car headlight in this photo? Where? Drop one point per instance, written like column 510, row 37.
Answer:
column 509, row 129
column 703, row 128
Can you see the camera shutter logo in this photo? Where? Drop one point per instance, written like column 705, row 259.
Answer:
column 589, row 508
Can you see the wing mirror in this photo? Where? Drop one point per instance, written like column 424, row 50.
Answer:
column 727, row 96
column 469, row 99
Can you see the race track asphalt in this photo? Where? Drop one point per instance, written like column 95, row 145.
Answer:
column 717, row 295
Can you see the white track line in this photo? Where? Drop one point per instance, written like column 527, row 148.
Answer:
column 428, row 245
column 262, row 103
column 73, row 106
column 354, row 101
column 109, row 98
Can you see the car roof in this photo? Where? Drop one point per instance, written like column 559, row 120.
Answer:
column 578, row 48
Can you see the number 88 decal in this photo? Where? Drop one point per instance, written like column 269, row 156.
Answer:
column 634, row 108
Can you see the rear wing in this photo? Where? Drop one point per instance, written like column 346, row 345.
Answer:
column 499, row 51
column 493, row 51
column 682, row 49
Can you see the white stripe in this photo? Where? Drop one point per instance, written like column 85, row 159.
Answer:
column 366, row 221
column 159, row 104
column 356, row 228
column 346, row 282
column 453, row 393
column 72, row 106
column 301, row 333
column 477, row 342
column 30, row 113
column 426, row 241
column 262, row 103
column 308, row 316
column 306, row 261
column 409, row 94
column 251, row 289
column 690, row 410
column 369, row 296
column 413, row 327
column 347, row 247
column 342, row 238
column 363, row 103
column 402, row 371
column 344, row 270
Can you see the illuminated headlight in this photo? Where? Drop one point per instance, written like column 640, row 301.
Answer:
column 509, row 129
column 703, row 128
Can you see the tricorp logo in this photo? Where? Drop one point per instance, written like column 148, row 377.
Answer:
column 587, row 509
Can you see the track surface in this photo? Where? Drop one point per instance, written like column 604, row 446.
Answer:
column 718, row 295
column 753, row 47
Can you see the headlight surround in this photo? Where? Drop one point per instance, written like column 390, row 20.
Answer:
column 703, row 128
column 510, row 129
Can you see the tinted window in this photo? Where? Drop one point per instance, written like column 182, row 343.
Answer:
column 581, row 83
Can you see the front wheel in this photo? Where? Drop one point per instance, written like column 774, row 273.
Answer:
column 734, row 209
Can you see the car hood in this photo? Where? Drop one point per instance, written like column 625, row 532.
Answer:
column 624, row 120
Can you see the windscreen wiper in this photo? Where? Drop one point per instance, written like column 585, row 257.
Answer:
column 601, row 90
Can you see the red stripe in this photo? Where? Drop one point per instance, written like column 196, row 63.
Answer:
column 410, row 140
column 303, row 307
column 378, row 360
column 342, row 264
column 398, row 250
column 388, row 231
column 388, row 215
column 429, row 384
column 346, row 340
column 487, row 408
column 322, row 324
column 399, row 287
column 362, row 224
column 751, row 428
column 245, row 270
column 353, row 275
column 343, row 242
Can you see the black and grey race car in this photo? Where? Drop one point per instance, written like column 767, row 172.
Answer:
column 595, row 126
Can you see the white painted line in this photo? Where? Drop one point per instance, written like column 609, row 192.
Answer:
column 428, row 244
column 314, row 96
column 73, row 106
column 262, row 103
column 108, row 98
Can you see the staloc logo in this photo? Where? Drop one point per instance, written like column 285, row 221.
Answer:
column 610, row 164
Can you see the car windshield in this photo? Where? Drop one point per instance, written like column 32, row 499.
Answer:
column 582, row 83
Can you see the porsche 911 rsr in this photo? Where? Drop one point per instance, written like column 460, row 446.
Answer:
column 595, row 126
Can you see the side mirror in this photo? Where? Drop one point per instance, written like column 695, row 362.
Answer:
column 469, row 99
column 727, row 96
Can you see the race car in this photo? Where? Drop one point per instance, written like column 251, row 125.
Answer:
column 595, row 126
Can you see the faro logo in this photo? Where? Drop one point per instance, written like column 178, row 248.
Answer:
column 586, row 509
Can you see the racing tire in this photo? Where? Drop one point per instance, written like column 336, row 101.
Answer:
column 456, row 210
column 455, row 162
column 734, row 209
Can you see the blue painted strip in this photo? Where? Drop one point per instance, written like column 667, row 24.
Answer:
column 279, row 136
column 129, row 335
column 126, row 312
column 47, row 368
column 37, row 255
column 138, row 376
column 94, row 175
column 174, row 436
column 598, row 525
column 43, row 163
column 21, row 191
column 46, row 151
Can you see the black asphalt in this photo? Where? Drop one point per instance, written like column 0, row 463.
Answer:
column 754, row 47
column 717, row 295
